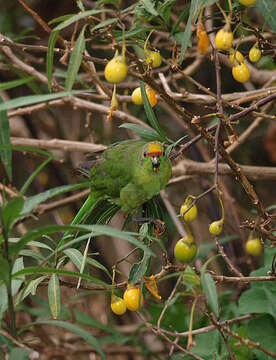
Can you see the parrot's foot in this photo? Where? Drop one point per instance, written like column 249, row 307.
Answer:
column 159, row 225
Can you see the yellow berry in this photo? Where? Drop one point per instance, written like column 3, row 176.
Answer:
column 185, row 249
column 116, row 70
column 255, row 54
column 254, row 246
column 215, row 228
column 137, row 96
column 190, row 215
column 154, row 58
column 247, row 2
column 132, row 298
column 118, row 305
column 241, row 73
column 224, row 39
column 236, row 55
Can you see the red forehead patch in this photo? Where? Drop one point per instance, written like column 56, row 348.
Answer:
column 159, row 153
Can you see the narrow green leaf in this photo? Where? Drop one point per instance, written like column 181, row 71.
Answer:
column 195, row 6
column 104, row 23
column 16, row 283
column 110, row 231
column 11, row 212
column 31, row 270
column 149, row 6
column 77, row 17
column 33, row 175
column 86, row 320
column 75, row 60
column 76, row 330
column 133, row 33
column 5, row 155
column 31, row 202
column 138, row 270
column 4, row 270
column 33, row 254
column 97, row 230
column 30, row 288
column 14, row 83
column 268, row 9
column 142, row 132
column 188, row 29
column 75, row 256
column 84, row 259
column 80, row 5
column 50, row 57
column 60, row 18
column 4, row 300
column 25, row 149
column 35, row 99
column 54, row 296
column 210, row 291
column 151, row 115
column 98, row 265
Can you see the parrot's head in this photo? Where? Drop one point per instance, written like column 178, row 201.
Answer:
column 153, row 152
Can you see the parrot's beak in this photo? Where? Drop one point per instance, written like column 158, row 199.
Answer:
column 155, row 163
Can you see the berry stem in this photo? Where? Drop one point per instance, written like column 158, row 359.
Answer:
column 190, row 336
column 227, row 19
column 146, row 42
column 124, row 42
column 222, row 206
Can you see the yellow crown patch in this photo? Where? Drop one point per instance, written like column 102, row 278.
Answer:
column 155, row 147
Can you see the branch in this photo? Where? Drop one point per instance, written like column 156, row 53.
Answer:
column 238, row 172
column 190, row 167
column 57, row 144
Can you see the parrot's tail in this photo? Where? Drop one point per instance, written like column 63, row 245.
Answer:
column 83, row 213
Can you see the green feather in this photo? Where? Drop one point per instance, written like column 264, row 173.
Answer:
column 127, row 176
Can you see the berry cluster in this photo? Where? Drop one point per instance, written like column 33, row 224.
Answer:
column 224, row 41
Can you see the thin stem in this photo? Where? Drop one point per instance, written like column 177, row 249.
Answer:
column 11, row 309
column 190, row 336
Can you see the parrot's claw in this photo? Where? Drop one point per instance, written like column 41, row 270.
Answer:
column 159, row 225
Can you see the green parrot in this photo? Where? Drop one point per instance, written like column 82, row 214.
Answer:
column 128, row 175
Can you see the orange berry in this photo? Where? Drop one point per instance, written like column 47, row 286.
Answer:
column 137, row 96
column 203, row 41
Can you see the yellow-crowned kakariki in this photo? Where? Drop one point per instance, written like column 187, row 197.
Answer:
column 128, row 175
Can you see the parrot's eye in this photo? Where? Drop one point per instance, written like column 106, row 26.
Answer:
column 145, row 154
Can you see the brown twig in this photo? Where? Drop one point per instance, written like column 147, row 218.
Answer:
column 248, row 342
column 40, row 21
column 239, row 174
column 229, row 263
column 225, row 339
